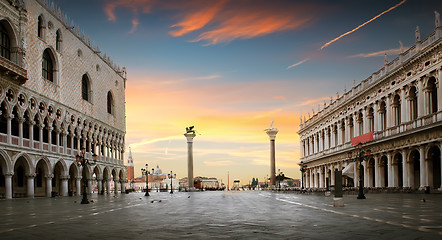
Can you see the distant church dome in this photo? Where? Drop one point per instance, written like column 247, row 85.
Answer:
column 157, row 171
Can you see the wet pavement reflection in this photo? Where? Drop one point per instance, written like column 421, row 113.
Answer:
column 223, row 215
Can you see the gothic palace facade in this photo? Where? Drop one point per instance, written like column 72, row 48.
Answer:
column 401, row 104
column 58, row 93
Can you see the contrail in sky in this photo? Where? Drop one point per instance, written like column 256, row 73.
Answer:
column 365, row 23
column 298, row 63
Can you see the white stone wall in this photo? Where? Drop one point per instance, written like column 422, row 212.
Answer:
column 66, row 89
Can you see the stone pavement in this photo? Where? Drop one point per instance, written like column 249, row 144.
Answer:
column 223, row 215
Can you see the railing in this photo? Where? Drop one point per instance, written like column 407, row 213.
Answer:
column 14, row 140
column 377, row 135
column 3, row 138
column 69, row 151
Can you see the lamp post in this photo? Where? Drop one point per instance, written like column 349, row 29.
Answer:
column 171, row 176
column 361, row 155
column 303, row 168
column 145, row 172
column 83, row 162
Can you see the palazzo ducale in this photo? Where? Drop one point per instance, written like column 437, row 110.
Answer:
column 58, row 93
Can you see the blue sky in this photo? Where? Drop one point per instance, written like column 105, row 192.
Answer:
column 234, row 81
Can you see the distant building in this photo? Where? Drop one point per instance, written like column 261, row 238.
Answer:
column 157, row 181
column 130, row 167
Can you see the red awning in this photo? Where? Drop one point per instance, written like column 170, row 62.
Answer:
column 362, row 138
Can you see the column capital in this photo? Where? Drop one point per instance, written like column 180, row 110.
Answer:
column 30, row 175
column 65, row 177
column 189, row 137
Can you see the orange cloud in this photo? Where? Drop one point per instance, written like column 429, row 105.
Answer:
column 197, row 20
column 247, row 25
column 224, row 20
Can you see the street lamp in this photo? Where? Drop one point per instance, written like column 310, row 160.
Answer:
column 145, row 172
column 83, row 162
column 171, row 176
column 303, row 168
column 361, row 155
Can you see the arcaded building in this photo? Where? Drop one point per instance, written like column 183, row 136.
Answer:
column 401, row 106
column 58, row 93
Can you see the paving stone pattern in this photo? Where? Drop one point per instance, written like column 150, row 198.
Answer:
column 223, row 215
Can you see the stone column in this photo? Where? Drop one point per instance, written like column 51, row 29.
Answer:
column 31, row 133
column 190, row 136
column 21, row 120
column 321, row 177
column 389, row 112
column 30, row 185
column 49, row 185
column 65, row 143
column 78, row 186
column 390, row 170
column 429, row 171
column 420, row 99
column 116, row 181
column 332, row 177
column 405, row 171
column 422, row 167
column 108, row 185
column 403, row 107
column 9, row 118
column 57, row 139
column 50, row 137
column 311, row 178
column 376, row 171
column 376, row 117
column 8, row 185
column 99, row 182
column 89, row 186
column 123, row 186
column 272, row 135
column 40, row 128
column 366, row 175
column 64, row 185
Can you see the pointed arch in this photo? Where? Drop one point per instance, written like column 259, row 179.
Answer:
column 5, row 162
column 49, row 65
column 58, row 40
column 27, row 160
column 110, row 103
column 86, row 88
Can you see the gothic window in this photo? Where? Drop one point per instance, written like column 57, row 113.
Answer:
column 58, row 40
column 5, row 44
column 110, row 103
column 85, row 88
column 40, row 27
column 48, row 65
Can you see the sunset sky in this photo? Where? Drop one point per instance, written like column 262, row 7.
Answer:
column 230, row 67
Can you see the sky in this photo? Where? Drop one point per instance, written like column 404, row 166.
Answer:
column 230, row 67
